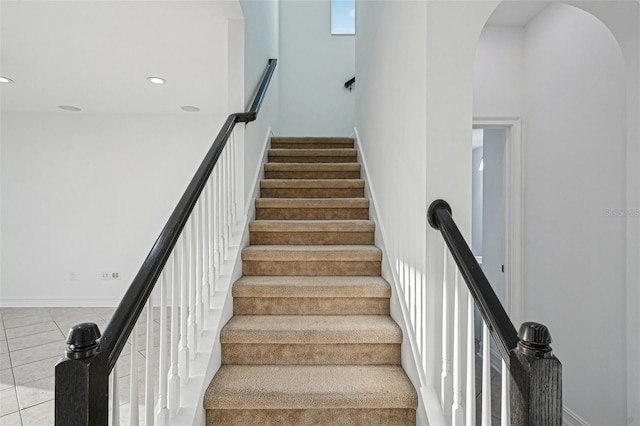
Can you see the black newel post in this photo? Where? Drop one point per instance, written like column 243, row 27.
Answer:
column 82, row 380
column 536, row 379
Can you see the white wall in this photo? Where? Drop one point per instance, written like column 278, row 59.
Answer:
column 87, row 193
column 261, row 29
column 575, row 139
column 574, row 171
column 313, row 68
column 498, row 77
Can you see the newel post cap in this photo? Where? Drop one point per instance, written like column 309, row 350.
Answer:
column 535, row 339
column 82, row 340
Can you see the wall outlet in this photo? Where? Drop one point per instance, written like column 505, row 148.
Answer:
column 105, row 275
column 115, row 275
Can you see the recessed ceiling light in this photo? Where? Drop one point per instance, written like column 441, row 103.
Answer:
column 156, row 80
column 5, row 80
column 69, row 108
column 190, row 108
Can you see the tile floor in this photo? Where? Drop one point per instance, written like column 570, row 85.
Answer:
column 32, row 340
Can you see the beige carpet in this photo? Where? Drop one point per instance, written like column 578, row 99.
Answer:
column 311, row 341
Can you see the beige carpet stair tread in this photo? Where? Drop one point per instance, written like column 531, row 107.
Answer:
column 312, row 203
column 312, row 253
column 309, row 386
column 317, row 329
column 311, row 167
column 310, row 139
column 312, row 183
column 325, row 287
column 330, row 152
column 312, row 226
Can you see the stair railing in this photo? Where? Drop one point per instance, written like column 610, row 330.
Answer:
column 185, row 260
column 533, row 396
column 349, row 83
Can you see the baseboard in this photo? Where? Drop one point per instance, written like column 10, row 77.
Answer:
column 569, row 418
column 399, row 311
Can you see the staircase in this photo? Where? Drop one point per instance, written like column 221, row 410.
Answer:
column 311, row 341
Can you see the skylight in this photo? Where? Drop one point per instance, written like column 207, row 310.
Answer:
column 343, row 17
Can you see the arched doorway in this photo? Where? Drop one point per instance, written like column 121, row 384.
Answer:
column 561, row 71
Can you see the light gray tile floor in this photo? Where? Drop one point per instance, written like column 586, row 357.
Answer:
column 32, row 340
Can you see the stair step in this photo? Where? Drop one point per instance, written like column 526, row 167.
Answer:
column 312, row 260
column 312, row 188
column 311, row 232
column 312, row 171
column 278, row 295
column 333, row 155
column 311, row 339
column 310, row 395
column 312, row 208
column 311, row 142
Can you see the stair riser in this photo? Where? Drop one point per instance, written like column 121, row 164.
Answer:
column 297, row 354
column 312, row 175
column 314, row 417
column 311, row 238
column 312, row 145
column 351, row 158
column 310, row 306
column 312, row 192
column 311, row 268
column 311, row 213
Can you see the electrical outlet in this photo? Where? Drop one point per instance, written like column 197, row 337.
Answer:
column 105, row 275
column 115, row 275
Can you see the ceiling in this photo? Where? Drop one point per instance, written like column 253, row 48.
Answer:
column 96, row 55
column 516, row 13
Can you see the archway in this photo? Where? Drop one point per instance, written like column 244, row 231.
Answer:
column 561, row 70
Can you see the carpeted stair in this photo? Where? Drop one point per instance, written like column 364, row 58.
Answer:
column 311, row 341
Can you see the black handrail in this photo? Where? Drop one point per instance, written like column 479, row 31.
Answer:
column 126, row 314
column 536, row 374
column 496, row 318
column 84, row 341
column 348, row 84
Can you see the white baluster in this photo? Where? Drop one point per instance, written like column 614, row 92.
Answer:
column 148, row 373
column 445, row 378
column 457, row 411
column 163, row 410
column 486, row 376
column 202, row 272
column 183, row 355
column 227, row 188
column 222, row 184
column 471, row 365
column 174, row 378
column 217, row 219
column 192, row 285
column 133, row 383
column 115, row 396
column 504, row 410
column 208, row 252
column 232, row 172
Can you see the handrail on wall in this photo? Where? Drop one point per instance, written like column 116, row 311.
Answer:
column 536, row 374
column 81, row 384
column 349, row 83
